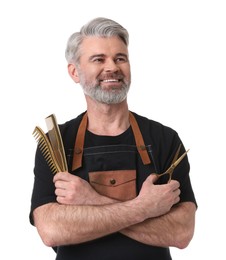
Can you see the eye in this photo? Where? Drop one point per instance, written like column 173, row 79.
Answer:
column 121, row 59
column 98, row 60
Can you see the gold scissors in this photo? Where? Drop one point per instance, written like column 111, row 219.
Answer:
column 174, row 164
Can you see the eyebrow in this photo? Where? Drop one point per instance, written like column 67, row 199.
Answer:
column 96, row 56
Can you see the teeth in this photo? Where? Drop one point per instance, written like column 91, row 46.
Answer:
column 110, row 80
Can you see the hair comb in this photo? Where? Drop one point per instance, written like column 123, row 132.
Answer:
column 52, row 148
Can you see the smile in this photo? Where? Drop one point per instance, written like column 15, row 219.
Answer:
column 110, row 80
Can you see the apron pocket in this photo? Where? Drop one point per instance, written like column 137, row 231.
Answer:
column 118, row 184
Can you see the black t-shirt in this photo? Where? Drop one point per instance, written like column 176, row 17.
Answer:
column 113, row 153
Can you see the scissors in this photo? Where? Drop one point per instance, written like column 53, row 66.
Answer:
column 174, row 164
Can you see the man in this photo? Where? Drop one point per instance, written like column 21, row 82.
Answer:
column 110, row 205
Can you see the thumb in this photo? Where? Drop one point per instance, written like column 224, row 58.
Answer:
column 153, row 177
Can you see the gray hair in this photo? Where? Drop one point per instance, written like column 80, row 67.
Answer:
column 100, row 27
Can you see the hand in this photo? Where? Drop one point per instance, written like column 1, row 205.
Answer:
column 73, row 190
column 158, row 199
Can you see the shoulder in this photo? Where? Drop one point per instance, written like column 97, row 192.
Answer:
column 69, row 129
column 71, row 123
column 163, row 139
column 153, row 127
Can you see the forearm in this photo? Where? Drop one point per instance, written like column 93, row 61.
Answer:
column 69, row 224
column 82, row 214
column 175, row 228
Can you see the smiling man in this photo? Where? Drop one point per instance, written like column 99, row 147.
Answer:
column 110, row 205
column 103, row 69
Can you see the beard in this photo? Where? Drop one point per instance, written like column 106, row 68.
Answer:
column 110, row 95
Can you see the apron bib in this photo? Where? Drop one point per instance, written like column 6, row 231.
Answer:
column 116, row 171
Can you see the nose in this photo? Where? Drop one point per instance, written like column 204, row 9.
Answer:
column 110, row 66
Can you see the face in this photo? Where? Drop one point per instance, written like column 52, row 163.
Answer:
column 104, row 69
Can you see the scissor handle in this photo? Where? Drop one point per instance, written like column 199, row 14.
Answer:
column 165, row 173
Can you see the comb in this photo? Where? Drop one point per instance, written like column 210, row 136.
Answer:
column 56, row 142
column 46, row 149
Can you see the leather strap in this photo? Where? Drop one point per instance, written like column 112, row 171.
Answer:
column 139, row 140
column 79, row 144
column 80, row 139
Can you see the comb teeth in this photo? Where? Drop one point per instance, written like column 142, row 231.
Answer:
column 46, row 149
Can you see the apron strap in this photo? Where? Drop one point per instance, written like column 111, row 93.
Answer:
column 139, row 140
column 80, row 139
column 79, row 144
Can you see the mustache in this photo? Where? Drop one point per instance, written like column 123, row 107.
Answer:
column 111, row 76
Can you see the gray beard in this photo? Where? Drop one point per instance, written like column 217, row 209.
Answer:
column 109, row 96
column 105, row 96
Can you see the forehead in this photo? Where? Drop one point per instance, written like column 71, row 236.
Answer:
column 93, row 45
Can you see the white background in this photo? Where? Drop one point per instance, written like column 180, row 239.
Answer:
column 178, row 59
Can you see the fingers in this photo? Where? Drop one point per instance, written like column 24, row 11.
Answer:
column 60, row 192
column 174, row 184
column 62, row 183
column 174, row 190
column 64, row 176
column 63, row 180
column 177, row 192
column 177, row 195
column 171, row 189
column 153, row 177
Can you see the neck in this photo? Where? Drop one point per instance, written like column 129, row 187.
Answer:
column 107, row 119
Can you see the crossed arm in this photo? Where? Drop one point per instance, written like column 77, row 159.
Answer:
column 81, row 214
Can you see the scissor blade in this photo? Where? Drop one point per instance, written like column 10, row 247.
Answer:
column 180, row 159
column 176, row 154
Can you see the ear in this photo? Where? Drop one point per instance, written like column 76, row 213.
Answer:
column 72, row 70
